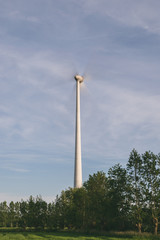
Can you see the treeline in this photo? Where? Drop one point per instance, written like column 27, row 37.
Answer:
column 128, row 198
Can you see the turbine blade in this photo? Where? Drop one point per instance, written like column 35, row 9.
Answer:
column 84, row 90
column 71, row 99
column 89, row 68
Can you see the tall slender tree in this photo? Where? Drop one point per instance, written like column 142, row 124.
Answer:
column 23, row 214
column 3, row 214
column 31, row 221
column 11, row 213
column 97, row 189
column 51, row 215
column 151, row 185
column 134, row 169
column 17, row 213
column 119, row 195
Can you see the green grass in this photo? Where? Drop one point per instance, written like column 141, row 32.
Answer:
column 71, row 236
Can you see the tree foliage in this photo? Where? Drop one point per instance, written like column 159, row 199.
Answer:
column 123, row 199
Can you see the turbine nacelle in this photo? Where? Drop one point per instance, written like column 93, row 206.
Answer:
column 79, row 78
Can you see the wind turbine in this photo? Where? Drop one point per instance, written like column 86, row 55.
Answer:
column 78, row 161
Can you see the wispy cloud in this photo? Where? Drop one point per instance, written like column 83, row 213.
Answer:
column 13, row 169
column 143, row 14
column 124, row 119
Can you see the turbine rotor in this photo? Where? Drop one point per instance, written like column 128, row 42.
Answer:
column 79, row 78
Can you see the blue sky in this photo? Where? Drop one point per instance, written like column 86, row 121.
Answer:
column 43, row 43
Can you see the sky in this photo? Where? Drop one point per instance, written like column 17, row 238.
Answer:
column 115, row 44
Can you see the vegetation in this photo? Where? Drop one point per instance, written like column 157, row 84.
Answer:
column 124, row 200
column 73, row 236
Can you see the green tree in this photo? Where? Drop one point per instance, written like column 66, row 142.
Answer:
column 96, row 204
column 40, row 212
column 51, row 222
column 23, row 214
column 70, row 209
column 3, row 214
column 134, row 169
column 78, row 210
column 58, row 213
column 151, row 185
column 11, row 213
column 31, row 212
column 68, row 212
column 119, row 195
column 17, row 213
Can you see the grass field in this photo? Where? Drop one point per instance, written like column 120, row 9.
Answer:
column 70, row 236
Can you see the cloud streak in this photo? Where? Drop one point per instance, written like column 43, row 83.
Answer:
column 142, row 14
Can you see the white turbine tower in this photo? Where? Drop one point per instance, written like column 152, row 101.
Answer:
column 78, row 161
